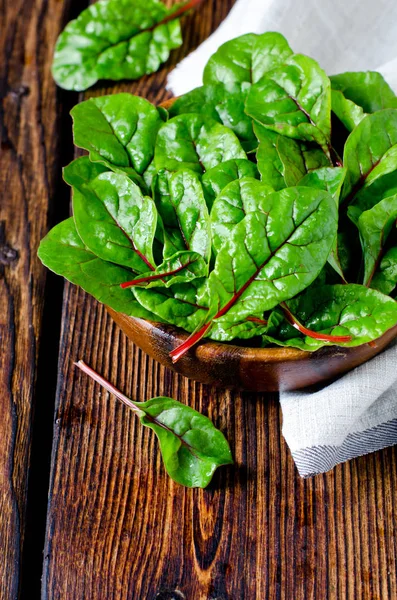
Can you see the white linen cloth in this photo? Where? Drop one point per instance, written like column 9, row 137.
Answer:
column 358, row 413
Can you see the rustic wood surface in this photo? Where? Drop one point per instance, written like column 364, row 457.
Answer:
column 30, row 114
column 118, row 527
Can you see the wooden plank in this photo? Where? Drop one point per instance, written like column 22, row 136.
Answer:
column 119, row 528
column 29, row 115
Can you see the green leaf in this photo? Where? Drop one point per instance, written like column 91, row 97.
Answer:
column 330, row 180
column 224, row 105
column 63, row 252
column 180, row 268
column 374, row 226
column 370, row 152
column 236, row 200
column 181, row 204
column 385, row 279
column 115, row 221
column 180, row 305
column 114, row 39
column 217, row 178
column 118, row 131
column 82, row 171
column 273, row 254
column 366, row 89
column 348, row 113
column 369, row 196
column 192, row 141
column 294, row 100
column 282, row 161
column 337, row 310
column 191, row 446
column 246, row 58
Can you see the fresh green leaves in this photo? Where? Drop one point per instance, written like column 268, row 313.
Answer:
column 115, row 39
column 246, row 59
column 365, row 89
column 63, row 252
column 118, row 131
column 195, row 142
column 294, row 99
column 181, row 204
column 337, row 310
column 169, row 205
column 191, row 446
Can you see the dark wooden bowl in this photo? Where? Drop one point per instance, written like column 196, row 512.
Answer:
column 243, row 368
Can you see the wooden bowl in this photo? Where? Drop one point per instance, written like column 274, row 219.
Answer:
column 244, row 368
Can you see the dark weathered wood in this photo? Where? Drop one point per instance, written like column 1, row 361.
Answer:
column 29, row 171
column 119, row 528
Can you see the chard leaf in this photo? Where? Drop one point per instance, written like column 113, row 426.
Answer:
column 246, row 58
column 82, row 171
column 271, row 255
column 224, row 105
column 118, row 131
column 348, row 113
column 195, row 142
column 179, row 198
column 63, row 252
column 294, row 100
column 368, row 196
column 180, row 268
column 115, row 39
column 217, row 178
column 115, row 221
column 370, row 152
column 385, row 279
column 282, row 161
column 235, row 201
column 366, row 89
column 330, row 180
column 180, row 305
column 374, row 226
column 336, row 310
column 191, row 446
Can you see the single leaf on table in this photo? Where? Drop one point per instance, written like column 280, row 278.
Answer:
column 118, row 131
column 191, row 446
column 182, row 305
column 223, row 104
column 180, row 268
column 330, row 180
column 385, row 278
column 236, row 200
column 282, row 161
column 375, row 226
column 246, row 58
column 370, row 152
column 115, row 39
column 63, row 252
column 195, row 142
column 366, row 89
column 348, row 113
column 180, row 201
column 115, row 221
column 294, row 100
column 338, row 310
column 271, row 255
column 217, row 178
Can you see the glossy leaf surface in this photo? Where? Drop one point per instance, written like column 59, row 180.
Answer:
column 217, row 178
column 367, row 89
column 180, row 268
column 195, row 142
column 348, row 113
column 114, row 39
column 354, row 310
column 385, row 279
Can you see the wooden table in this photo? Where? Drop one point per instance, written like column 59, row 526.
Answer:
column 116, row 526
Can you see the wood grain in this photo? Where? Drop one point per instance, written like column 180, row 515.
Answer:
column 29, row 158
column 119, row 528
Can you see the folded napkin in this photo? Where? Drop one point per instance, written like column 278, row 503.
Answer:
column 358, row 413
